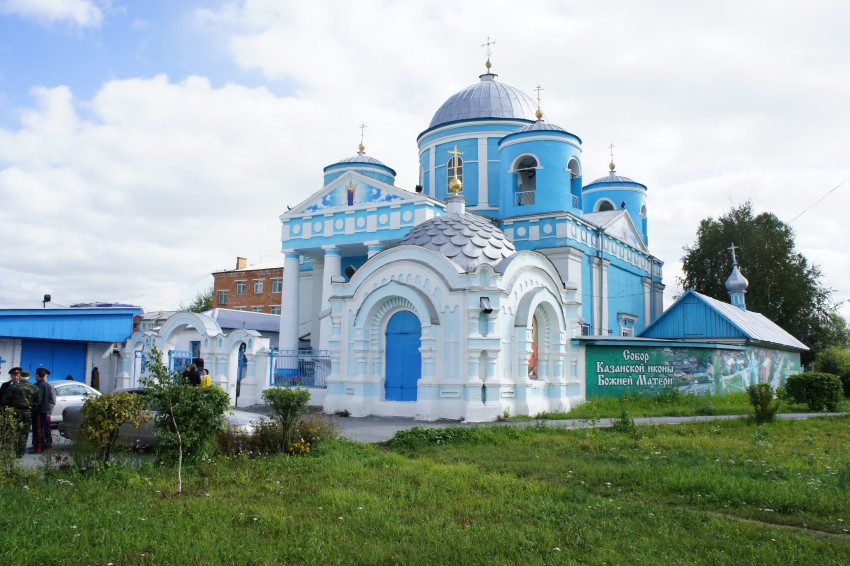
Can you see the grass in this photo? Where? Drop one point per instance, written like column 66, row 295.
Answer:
column 671, row 404
column 709, row 493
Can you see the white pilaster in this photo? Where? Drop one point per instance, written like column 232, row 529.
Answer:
column 289, row 302
column 333, row 268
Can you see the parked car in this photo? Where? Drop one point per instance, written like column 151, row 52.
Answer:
column 144, row 436
column 69, row 393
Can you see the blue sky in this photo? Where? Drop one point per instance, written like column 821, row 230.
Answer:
column 146, row 144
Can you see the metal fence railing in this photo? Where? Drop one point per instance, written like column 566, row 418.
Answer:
column 299, row 368
column 524, row 198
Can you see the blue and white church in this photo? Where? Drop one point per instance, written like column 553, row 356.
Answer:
column 461, row 299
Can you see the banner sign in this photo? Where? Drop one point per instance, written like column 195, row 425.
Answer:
column 614, row 371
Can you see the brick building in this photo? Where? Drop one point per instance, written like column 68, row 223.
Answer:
column 254, row 287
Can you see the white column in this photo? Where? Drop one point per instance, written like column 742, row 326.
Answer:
column 483, row 170
column 373, row 248
column 333, row 268
column 289, row 302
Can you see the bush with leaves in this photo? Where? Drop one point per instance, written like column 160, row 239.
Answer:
column 817, row 390
column 834, row 360
column 102, row 417
column 287, row 407
column 845, row 382
column 761, row 398
column 10, row 427
column 187, row 418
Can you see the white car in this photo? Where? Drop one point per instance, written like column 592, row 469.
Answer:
column 69, row 393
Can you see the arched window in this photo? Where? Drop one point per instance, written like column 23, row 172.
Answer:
column 455, row 163
column 526, row 174
column 643, row 211
column 604, row 205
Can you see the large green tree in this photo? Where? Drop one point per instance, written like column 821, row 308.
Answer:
column 784, row 286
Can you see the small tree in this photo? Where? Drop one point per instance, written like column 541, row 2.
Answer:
column 287, row 408
column 761, row 398
column 187, row 417
column 103, row 416
column 202, row 302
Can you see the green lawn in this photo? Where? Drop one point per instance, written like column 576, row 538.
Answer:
column 673, row 404
column 708, row 493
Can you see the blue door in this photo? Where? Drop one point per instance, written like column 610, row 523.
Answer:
column 61, row 358
column 404, row 362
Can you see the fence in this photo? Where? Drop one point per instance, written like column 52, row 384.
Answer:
column 299, row 368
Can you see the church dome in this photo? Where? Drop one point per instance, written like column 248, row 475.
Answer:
column 736, row 283
column 612, row 179
column 486, row 99
column 541, row 126
column 469, row 240
column 359, row 158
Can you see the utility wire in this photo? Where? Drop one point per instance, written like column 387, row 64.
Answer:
column 818, row 201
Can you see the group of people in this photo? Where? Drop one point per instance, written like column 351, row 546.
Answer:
column 33, row 404
column 195, row 376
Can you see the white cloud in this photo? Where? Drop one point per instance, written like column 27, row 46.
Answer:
column 154, row 182
column 78, row 13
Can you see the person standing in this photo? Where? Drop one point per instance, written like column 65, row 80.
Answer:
column 42, row 438
column 14, row 377
column 22, row 396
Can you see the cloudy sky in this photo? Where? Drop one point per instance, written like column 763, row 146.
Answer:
column 144, row 145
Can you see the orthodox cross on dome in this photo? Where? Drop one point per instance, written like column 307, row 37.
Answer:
column 362, row 147
column 455, row 184
column 489, row 52
column 539, row 112
column 732, row 249
column 611, row 149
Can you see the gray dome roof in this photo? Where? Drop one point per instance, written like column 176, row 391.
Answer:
column 486, row 99
column 361, row 158
column 736, row 283
column 541, row 126
column 467, row 239
column 613, row 179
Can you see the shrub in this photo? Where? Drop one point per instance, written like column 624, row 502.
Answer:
column 818, row 391
column 287, row 407
column 187, row 418
column 845, row 382
column 103, row 416
column 9, row 429
column 761, row 398
column 834, row 360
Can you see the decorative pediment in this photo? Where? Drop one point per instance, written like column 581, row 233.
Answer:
column 618, row 224
column 352, row 190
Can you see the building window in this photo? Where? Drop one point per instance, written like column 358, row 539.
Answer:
column 222, row 298
column 239, row 308
column 274, row 309
column 455, row 164
column 627, row 322
column 277, row 284
column 240, row 287
column 257, row 309
column 526, row 179
column 258, row 286
column 604, row 205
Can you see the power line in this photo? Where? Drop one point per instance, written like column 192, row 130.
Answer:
column 820, row 199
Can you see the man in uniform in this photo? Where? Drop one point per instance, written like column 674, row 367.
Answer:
column 22, row 396
column 14, row 377
column 42, row 438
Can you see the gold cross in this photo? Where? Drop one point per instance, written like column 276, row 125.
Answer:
column 362, row 127
column 487, row 45
column 455, row 152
